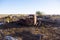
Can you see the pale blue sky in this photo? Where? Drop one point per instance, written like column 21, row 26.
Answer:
column 30, row 6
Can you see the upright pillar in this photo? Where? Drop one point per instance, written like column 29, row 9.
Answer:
column 35, row 19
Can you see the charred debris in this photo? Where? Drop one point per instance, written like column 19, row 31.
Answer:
column 28, row 21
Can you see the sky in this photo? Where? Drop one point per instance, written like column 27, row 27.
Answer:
column 49, row 7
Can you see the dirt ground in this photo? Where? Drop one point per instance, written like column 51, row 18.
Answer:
column 52, row 33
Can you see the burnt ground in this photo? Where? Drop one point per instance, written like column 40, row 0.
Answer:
column 50, row 33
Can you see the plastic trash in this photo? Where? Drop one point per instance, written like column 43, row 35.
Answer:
column 10, row 38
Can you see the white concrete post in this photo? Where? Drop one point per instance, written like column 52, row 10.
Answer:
column 35, row 19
